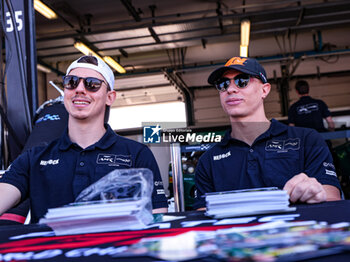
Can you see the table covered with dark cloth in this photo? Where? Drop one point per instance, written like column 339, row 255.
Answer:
column 37, row 242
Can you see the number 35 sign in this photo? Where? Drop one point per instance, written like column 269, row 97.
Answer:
column 18, row 19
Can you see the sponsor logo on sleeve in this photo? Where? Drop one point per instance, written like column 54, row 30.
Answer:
column 158, row 183
column 331, row 173
column 328, row 164
column 160, row 192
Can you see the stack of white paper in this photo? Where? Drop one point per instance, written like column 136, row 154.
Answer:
column 97, row 216
column 247, row 202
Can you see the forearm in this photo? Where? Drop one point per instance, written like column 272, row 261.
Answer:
column 330, row 123
column 160, row 210
column 9, row 197
column 333, row 193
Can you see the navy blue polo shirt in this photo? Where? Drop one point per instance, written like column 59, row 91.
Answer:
column 54, row 175
column 275, row 157
column 309, row 112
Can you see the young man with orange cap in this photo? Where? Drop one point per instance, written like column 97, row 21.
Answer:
column 257, row 152
column 54, row 175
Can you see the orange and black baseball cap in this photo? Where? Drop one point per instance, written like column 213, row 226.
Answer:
column 245, row 65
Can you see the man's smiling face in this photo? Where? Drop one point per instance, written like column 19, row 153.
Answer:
column 82, row 104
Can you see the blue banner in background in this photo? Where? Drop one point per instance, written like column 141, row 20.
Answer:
column 21, row 79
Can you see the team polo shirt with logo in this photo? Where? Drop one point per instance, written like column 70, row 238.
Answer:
column 275, row 157
column 309, row 112
column 53, row 176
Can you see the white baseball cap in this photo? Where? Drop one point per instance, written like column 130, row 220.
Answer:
column 101, row 67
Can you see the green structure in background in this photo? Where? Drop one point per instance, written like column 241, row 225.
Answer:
column 342, row 163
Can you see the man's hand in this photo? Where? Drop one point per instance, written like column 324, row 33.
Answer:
column 305, row 189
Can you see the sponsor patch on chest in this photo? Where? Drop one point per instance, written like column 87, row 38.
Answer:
column 222, row 156
column 49, row 162
column 281, row 146
column 111, row 159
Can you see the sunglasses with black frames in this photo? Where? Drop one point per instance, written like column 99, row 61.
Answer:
column 241, row 81
column 91, row 84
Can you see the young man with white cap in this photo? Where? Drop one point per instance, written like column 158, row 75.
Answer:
column 257, row 152
column 54, row 175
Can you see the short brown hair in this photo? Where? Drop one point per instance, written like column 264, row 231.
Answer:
column 302, row 87
column 88, row 59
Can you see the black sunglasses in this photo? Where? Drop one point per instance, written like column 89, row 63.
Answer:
column 241, row 81
column 91, row 84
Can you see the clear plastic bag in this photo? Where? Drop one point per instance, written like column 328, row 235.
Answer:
column 135, row 184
